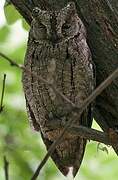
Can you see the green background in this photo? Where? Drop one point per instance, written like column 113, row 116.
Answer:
column 21, row 145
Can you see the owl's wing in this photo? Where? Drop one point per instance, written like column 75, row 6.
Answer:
column 87, row 115
column 31, row 117
column 88, row 81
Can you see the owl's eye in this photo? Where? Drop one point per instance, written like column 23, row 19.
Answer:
column 66, row 26
column 41, row 26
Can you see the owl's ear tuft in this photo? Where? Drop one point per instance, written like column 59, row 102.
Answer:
column 35, row 12
column 71, row 6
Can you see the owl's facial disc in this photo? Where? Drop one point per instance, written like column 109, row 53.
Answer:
column 55, row 26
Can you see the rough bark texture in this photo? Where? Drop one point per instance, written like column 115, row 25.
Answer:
column 101, row 20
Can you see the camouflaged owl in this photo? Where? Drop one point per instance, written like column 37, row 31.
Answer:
column 57, row 51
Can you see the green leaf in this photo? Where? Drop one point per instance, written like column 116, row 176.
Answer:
column 11, row 14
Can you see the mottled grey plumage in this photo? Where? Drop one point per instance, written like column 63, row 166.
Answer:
column 57, row 51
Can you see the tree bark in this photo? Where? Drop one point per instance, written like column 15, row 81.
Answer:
column 101, row 20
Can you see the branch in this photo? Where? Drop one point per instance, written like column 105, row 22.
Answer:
column 84, row 132
column 2, row 96
column 6, row 168
column 24, row 8
column 12, row 62
column 78, row 109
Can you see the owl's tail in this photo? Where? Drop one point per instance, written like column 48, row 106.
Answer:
column 68, row 155
column 70, row 164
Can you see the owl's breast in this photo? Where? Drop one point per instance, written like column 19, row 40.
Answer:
column 64, row 69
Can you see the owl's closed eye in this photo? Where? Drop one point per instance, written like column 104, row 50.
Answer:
column 69, row 29
column 39, row 31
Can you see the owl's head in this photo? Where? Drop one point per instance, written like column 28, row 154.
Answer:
column 56, row 26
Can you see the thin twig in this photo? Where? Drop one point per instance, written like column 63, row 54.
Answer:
column 6, row 168
column 12, row 62
column 78, row 110
column 2, row 96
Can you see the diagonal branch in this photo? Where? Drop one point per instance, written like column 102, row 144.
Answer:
column 2, row 96
column 12, row 62
column 77, row 109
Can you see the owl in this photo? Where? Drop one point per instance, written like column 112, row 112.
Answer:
column 57, row 51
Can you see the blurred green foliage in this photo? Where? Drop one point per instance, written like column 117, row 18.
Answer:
column 12, row 15
column 21, row 145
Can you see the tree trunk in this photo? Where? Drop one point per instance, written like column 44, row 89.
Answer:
column 101, row 20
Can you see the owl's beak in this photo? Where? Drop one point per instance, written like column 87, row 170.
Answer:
column 54, row 37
